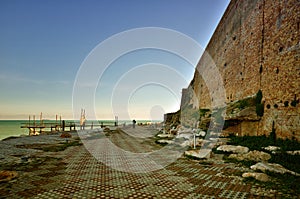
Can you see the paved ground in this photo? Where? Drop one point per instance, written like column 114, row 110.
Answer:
column 75, row 173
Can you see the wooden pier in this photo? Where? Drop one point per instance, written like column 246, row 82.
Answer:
column 36, row 127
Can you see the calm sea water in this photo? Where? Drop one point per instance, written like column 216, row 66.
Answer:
column 13, row 127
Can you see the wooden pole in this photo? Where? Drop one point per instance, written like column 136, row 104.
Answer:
column 116, row 120
column 33, row 124
column 63, row 125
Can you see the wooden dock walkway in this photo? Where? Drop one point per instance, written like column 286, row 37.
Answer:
column 35, row 127
column 40, row 127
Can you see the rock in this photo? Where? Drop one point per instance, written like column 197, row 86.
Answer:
column 187, row 136
column 271, row 148
column 256, row 156
column 201, row 154
column 293, row 152
column 258, row 176
column 204, row 153
column 201, row 133
column 165, row 135
column 165, row 141
column 272, row 167
column 233, row 149
column 6, row 176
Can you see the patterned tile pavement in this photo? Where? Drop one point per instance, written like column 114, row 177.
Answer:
column 75, row 173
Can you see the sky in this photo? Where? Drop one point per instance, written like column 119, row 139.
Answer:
column 45, row 44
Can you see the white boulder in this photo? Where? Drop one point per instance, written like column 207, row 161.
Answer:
column 187, row 136
column 165, row 135
column 233, row 149
column 271, row 148
column 201, row 154
column 293, row 152
column 165, row 141
column 201, row 133
column 258, row 176
column 272, row 167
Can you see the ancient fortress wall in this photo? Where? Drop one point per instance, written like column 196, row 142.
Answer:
column 256, row 46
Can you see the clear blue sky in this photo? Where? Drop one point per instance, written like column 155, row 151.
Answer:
column 43, row 43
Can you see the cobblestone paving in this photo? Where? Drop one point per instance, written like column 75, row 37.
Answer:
column 86, row 177
column 75, row 173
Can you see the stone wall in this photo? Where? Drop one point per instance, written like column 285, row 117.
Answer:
column 256, row 46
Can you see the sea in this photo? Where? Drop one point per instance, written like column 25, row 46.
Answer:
column 10, row 128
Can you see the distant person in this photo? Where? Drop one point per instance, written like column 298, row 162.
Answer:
column 133, row 123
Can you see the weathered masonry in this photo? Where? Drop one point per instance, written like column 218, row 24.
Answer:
column 256, row 48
